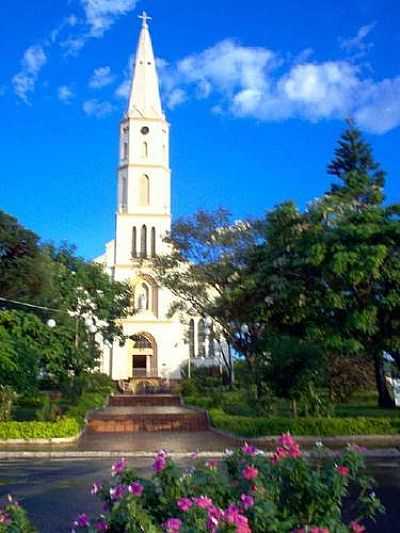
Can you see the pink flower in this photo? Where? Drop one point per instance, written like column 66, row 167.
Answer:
column 233, row 516
column 135, row 488
column 82, row 521
column 204, row 502
column 117, row 492
column 288, row 447
column 184, row 504
column 247, row 501
column 5, row 518
column 215, row 515
column 173, row 525
column 287, row 441
column 95, row 488
column 248, row 449
column 356, row 527
column 279, row 454
column 343, row 470
column 212, row 464
column 160, row 461
column 119, row 466
column 295, row 451
column 249, row 472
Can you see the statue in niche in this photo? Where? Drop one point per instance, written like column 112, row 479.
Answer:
column 143, row 299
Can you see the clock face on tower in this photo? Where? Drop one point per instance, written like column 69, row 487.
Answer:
column 144, row 130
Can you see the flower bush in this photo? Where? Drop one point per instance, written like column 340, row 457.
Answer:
column 13, row 518
column 244, row 492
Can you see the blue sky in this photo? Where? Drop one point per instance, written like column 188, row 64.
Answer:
column 255, row 93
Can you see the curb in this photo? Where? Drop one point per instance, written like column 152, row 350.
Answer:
column 387, row 453
column 391, row 441
column 94, row 454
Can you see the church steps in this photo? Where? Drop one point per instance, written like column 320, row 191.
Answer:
column 146, row 413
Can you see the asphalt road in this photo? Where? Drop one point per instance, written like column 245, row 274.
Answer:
column 54, row 492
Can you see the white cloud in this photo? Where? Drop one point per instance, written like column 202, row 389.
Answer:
column 246, row 82
column 25, row 80
column 73, row 45
column 98, row 17
column 123, row 89
column 101, row 77
column 101, row 14
column 358, row 43
column 176, row 97
column 65, row 94
column 97, row 108
column 380, row 110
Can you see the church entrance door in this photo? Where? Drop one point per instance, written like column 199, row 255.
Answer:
column 144, row 356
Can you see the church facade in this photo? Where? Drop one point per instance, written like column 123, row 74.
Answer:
column 157, row 344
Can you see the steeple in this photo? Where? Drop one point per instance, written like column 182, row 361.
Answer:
column 144, row 100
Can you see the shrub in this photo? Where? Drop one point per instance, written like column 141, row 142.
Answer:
column 88, row 401
column 7, row 398
column 348, row 374
column 245, row 492
column 65, row 427
column 13, row 518
column 274, row 425
column 203, row 403
column 68, row 426
column 49, row 411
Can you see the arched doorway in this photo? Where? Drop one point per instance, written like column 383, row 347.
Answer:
column 144, row 356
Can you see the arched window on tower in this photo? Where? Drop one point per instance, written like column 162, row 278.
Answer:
column 211, row 342
column 143, row 241
column 201, row 338
column 134, row 242
column 191, row 338
column 153, row 241
column 145, row 150
column 125, row 151
column 124, row 193
column 144, row 191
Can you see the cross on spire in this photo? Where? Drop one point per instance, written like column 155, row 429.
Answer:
column 145, row 17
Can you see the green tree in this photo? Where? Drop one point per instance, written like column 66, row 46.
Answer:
column 25, row 271
column 78, row 294
column 209, row 252
column 26, row 343
column 331, row 274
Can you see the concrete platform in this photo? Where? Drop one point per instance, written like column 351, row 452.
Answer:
column 153, row 418
column 113, row 412
column 120, row 400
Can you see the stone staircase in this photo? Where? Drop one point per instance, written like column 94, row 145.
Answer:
column 131, row 413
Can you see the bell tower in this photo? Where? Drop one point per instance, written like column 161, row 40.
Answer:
column 144, row 182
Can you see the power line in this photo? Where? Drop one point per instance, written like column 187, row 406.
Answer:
column 32, row 306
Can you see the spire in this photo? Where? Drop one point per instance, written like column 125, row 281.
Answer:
column 144, row 99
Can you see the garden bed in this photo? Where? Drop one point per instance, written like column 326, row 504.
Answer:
column 64, row 429
column 246, row 426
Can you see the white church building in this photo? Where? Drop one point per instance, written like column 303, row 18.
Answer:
column 158, row 345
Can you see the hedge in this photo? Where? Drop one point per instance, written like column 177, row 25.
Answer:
column 325, row 427
column 68, row 426
column 65, row 427
column 88, row 401
column 204, row 403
